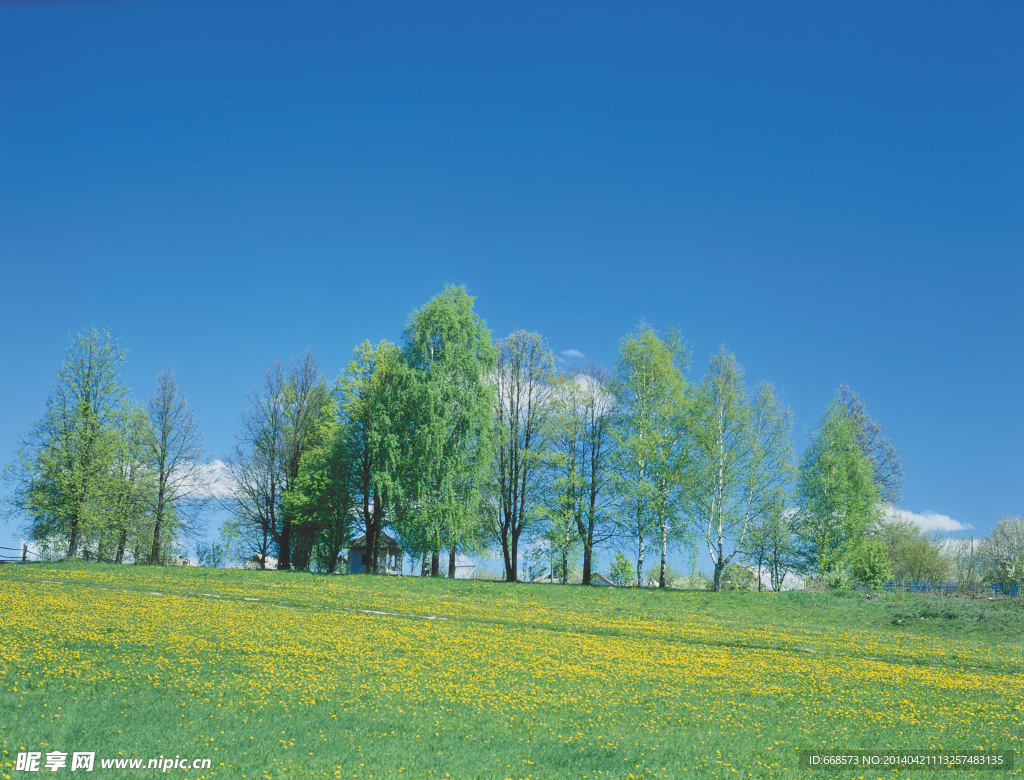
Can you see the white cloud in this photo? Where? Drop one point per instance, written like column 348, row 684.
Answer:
column 572, row 354
column 213, row 480
column 928, row 521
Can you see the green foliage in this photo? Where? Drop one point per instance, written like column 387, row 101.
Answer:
column 64, row 476
column 651, row 458
column 741, row 460
column 448, row 412
column 838, row 499
column 622, row 572
column 871, row 563
column 913, row 554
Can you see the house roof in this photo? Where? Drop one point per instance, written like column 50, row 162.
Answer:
column 387, row 541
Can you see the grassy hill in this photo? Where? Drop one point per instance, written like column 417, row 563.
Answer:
column 278, row 674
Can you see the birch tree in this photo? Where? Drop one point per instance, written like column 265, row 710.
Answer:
column 579, row 495
column 742, row 458
column 650, row 433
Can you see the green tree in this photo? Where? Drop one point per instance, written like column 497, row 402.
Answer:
column 769, row 546
column 622, row 572
column 651, row 445
column 132, row 491
column 62, row 468
column 320, row 499
column 449, row 417
column 870, row 562
column 578, row 493
column 523, row 374
column 914, row 554
column 307, row 417
column 741, row 461
column 374, row 435
column 837, row 496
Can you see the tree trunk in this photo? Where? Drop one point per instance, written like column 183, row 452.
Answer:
column 640, row 565
column 664, row 552
column 284, row 548
column 121, row 543
column 451, row 563
column 719, row 566
column 435, row 563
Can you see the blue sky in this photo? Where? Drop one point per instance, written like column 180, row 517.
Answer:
column 834, row 191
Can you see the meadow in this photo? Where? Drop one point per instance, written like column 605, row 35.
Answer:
column 278, row 674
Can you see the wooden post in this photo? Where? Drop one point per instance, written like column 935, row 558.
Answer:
column 24, row 552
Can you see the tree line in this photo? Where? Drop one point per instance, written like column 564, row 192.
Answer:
column 454, row 442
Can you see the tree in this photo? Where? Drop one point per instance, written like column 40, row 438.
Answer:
column 650, row 437
column 133, row 487
column 285, row 420
column 769, row 544
column 622, row 572
column 307, row 416
column 176, row 452
column 320, row 500
column 449, row 351
column 254, row 470
column 912, row 553
column 886, row 465
column 742, row 459
column 871, row 562
column 63, row 466
column 578, row 495
column 523, row 375
column 1003, row 551
column 374, row 435
column 966, row 561
column 837, row 496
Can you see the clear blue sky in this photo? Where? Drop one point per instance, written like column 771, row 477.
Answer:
column 834, row 191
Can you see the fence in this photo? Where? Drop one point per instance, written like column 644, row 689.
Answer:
column 907, row 586
column 24, row 554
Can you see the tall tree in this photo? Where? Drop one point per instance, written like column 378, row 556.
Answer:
column 742, row 458
column 837, row 496
column 449, row 351
column 320, row 500
column 373, row 411
column 254, row 468
column 132, row 492
column 886, row 464
column 579, row 494
column 62, row 466
column 285, row 420
column 523, row 376
column 652, row 452
column 307, row 410
column 176, row 452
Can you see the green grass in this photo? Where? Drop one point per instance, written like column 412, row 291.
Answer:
column 288, row 674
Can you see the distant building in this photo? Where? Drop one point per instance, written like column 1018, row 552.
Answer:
column 389, row 556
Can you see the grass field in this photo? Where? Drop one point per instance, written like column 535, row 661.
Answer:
column 276, row 674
